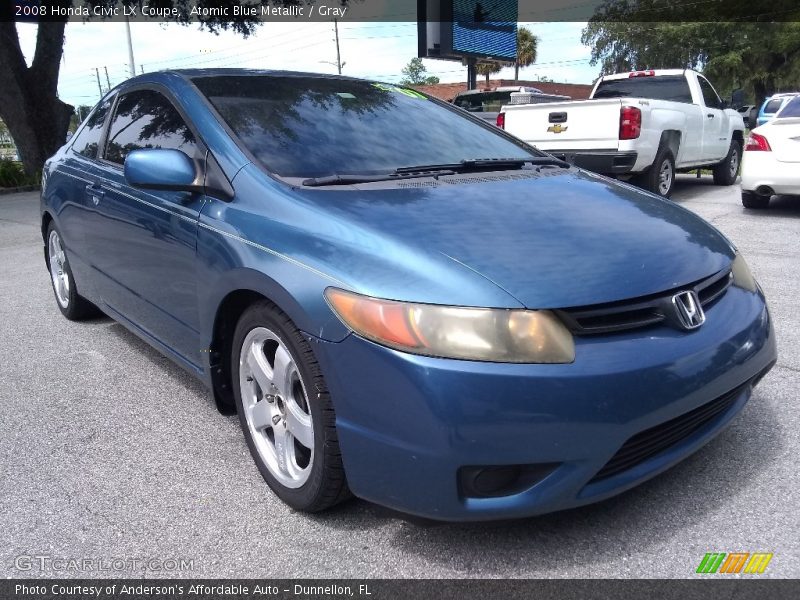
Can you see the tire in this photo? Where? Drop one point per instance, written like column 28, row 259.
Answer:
column 285, row 410
column 753, row 200
column 71, row 304
column 660, row 177
column 725, row 173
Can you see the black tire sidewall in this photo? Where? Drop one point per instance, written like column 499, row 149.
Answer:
column 265, row 314
column 722, row 171
column 73, row 309
column 652, row 178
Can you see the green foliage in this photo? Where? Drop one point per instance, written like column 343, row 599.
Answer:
column 13, row 175
column 527, row 46
column 760, row 58
column 415, row 73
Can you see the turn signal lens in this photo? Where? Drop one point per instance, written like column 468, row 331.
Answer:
column 742, row 277
column 484, row 334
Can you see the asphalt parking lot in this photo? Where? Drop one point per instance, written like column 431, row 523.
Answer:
column 107, row 450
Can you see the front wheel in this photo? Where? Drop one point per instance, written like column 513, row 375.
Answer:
column 660, row 177
column 285, row 410
column 725, row 172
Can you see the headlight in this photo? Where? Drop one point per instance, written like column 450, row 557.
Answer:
column 485, row 334
column 742, row 277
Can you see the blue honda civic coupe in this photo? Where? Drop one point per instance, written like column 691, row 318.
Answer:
column 400, row 301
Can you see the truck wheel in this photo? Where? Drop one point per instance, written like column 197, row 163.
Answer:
column 660, row 177
column 725, row 172
column 753, row 200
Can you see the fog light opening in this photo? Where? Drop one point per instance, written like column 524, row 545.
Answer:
column 503, row 480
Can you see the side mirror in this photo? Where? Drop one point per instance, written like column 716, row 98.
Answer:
column 159, row 169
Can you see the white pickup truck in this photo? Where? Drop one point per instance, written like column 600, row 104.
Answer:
column 646, row 125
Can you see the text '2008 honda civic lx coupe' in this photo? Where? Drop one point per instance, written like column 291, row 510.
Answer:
column 400, row 301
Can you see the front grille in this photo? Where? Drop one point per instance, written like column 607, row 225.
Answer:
column 655, row 440
column 641, row 312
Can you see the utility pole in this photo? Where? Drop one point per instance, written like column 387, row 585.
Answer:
column 108, row 81
column 338, row 56
column 131, row 64
column 99, row 87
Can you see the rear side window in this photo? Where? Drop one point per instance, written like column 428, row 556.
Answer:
column 709, row 95
column 87, row 141
column 791, row 110
column 146, row 119
column 487, row 102
column 773, row 106
column 674, row 88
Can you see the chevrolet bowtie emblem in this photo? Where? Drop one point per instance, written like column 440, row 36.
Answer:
column 557, row 128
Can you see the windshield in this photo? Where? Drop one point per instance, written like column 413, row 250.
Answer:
column 662, row 87
column 316, row 126
column 792, row 109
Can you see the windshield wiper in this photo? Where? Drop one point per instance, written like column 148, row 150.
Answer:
column 464, row 166
column 488, row 164
column 351, row 179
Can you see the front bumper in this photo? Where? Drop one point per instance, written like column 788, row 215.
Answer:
column 604, row 162
column 407, row 424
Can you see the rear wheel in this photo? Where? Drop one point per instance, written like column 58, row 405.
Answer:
column 660, row 177
column 725, row 173
column 753, row 200
column 285, row 410
column 71, row 304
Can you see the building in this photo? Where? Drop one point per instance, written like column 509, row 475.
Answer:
column 448, row 91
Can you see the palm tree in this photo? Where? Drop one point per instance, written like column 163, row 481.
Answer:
column 526, row 50
column 488, row 68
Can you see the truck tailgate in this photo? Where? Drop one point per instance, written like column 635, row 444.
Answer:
column 574, row 125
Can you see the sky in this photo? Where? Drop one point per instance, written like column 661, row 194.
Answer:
column 370, row 50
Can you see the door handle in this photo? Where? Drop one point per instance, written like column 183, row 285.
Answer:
column 710, row 115
column 95, row 193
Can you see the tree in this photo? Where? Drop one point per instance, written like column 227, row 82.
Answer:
column 78, row 115
column 758, row 57
column 416, row 74
column 527, row 45
column 29, row 104
column 488, row 68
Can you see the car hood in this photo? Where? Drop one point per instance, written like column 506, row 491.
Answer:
column 557, row 240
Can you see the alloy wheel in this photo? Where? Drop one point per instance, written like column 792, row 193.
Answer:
column 276, row 407
column 58, row 268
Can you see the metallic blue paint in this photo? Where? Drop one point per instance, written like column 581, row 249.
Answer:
column 160, row 170
column 163, row 262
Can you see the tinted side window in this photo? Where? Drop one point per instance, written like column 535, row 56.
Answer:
column 146, row 119
column 709, row 95
column 88, row 140
column 773, row 106
column 791, row 110
column 663, row 87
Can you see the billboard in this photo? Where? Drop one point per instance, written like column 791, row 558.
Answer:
column 458, row 29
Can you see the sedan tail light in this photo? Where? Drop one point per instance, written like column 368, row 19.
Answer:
column 630, row 123
column 501, row 120
column 757, row 143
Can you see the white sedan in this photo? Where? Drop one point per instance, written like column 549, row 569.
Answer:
column 771, row 163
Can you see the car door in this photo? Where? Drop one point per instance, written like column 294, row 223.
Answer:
column 715, row 124
column 143, row 242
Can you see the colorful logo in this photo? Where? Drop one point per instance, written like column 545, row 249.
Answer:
column 734, row 562
column 557, row 128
